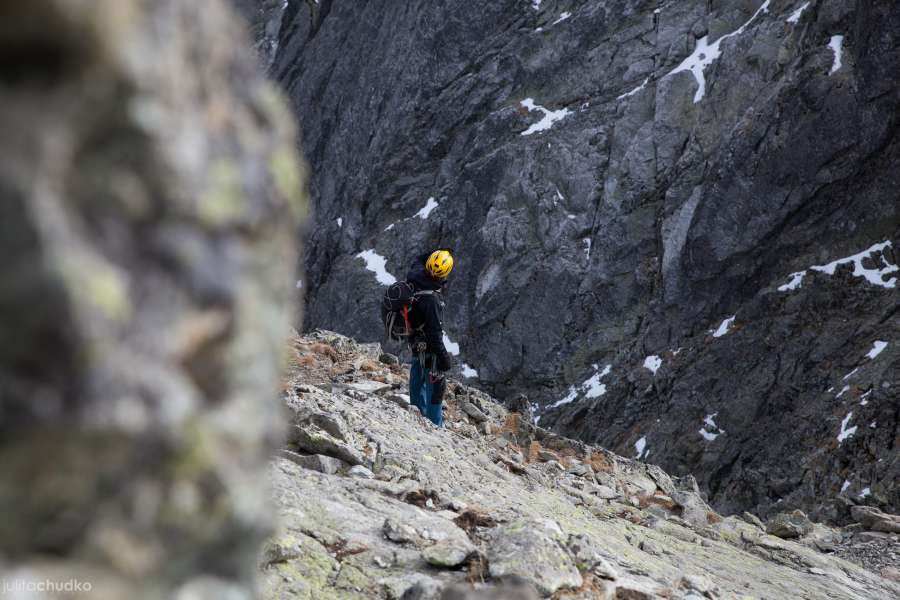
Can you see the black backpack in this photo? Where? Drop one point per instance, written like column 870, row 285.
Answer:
column 396, row 309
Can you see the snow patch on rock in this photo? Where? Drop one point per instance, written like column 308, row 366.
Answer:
column 378, row 265
column 653, row 363
column 430, row 205
column 877, row 348
column 875, row 275
column 641, row 447
column 837, row 46
column 562, row 17
column 795, row 282
column 705, row 54
column 451, row 346
column 846, row 432
column 635, row 90
column 724, row 327
column 710, row 431
column 592, row 387
column 468, row 372
column 795, row 16
column 550, row 116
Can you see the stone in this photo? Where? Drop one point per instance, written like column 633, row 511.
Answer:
column 331, row 424
column 522, row 405
column 360, row 472
column 588, row 557
column 875, row 520
column 580, row 469
column 511, row 591
column 553, row 465
column 319, row 442
column 314, row 462
column 789, row 525
column 364, row 387
column 472, row 411
column 448, row 553
column 873, row 536
column 634, row 591
column 698, row 583
column 529, row 551
column 693, row 509
column 604, row 492
column 401, row 400
column 424, row 590
column 416, row 584
column 546, row 455
column 753, row 520
column 399, row 532
column 388, row 359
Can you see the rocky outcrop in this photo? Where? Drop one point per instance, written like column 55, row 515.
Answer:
column 501, row 509
column 149, row 194
column 702, row 195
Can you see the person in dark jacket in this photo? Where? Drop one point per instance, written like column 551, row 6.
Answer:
column 431, row 360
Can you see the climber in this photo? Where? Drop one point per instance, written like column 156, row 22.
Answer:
column 430, row 361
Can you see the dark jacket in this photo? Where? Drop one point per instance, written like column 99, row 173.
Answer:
column 427, row 313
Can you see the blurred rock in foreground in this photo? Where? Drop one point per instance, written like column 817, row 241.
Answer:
column 149, row 193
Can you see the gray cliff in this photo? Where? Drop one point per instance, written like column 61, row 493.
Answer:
column 631, row 183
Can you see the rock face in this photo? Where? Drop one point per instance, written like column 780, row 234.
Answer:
column 149, row 194
column 457, row 514
column 702, row 195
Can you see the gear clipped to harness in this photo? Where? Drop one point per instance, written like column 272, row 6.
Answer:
column 396, row 305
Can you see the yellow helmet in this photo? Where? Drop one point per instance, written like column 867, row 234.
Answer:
column 439, row 264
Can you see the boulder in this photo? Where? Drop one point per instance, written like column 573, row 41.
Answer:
column 315, row 441
column 448, row 553
column 531, row 551
column 693, row 509
column 388, row 359
column 360, row 472
column 587, row 557
column 472, row 411
column 875, row 520
column 788, row 525
column 314, row 462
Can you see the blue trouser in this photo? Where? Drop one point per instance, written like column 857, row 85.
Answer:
column 424, row 394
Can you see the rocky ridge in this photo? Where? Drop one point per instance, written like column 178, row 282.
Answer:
column 621, row 180
column 375, row 502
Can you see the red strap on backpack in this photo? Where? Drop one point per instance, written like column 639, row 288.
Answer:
column 406, row 321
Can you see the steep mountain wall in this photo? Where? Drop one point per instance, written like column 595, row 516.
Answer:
column 375, row 502
column 618, row 179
